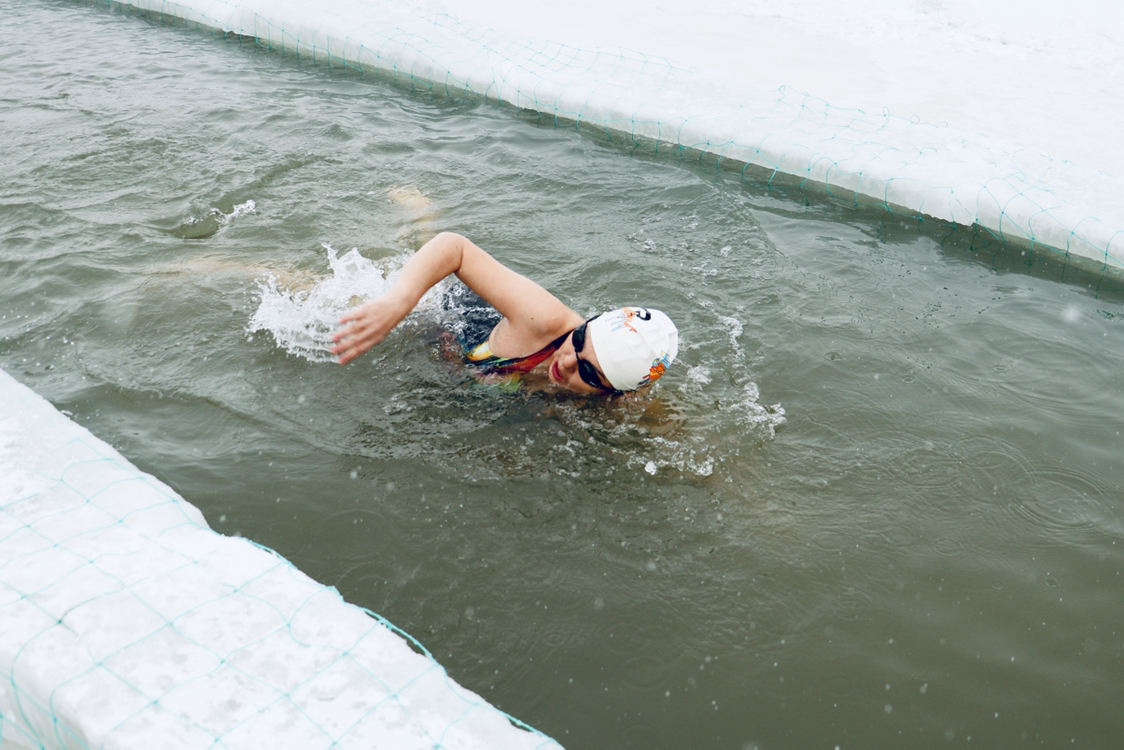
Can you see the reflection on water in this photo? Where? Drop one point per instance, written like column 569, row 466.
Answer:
column 875, row 501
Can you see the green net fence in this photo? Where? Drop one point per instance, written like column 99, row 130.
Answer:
column 780, row 136
column 125, row 622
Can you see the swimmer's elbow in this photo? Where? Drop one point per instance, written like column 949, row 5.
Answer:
column 453, row 249
column 450, row 238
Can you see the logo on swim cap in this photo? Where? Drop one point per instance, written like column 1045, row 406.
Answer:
column 659, row 367
column 634, row 345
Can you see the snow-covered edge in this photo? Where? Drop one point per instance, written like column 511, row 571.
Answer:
column 126, row 622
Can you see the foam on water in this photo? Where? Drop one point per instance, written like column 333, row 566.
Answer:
column 213, row 220
column 683, row 430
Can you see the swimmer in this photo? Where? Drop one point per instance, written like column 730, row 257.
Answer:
column 617, row 351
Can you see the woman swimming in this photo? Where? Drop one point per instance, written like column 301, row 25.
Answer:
column 620, row 350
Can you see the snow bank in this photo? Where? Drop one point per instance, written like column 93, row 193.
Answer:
column 125, row 622
column 963, row 112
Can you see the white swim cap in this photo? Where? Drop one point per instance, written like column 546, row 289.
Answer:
column 634, row 345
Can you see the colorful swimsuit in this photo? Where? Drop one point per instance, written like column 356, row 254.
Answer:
column 481, row 356
column 475, row 321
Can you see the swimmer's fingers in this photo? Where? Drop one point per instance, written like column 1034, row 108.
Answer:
column 349, row 345
column 363, row 328
column 354, row 339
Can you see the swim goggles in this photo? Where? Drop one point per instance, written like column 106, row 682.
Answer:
column 586, row 370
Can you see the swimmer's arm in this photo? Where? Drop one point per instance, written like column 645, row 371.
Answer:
column 531, row 312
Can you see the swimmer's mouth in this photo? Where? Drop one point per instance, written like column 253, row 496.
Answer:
column 555, row 374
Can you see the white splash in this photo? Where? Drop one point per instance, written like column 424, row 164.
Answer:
column 243, row 209
column 751, row 413
column 735, row 329
column 302, row 320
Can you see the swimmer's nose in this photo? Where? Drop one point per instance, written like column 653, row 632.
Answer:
column 568, row 361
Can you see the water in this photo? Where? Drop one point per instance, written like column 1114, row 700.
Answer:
column 876, row 503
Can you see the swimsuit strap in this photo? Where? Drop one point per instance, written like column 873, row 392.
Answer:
column 482, row 356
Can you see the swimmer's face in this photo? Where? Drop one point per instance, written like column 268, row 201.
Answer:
column 575, row 366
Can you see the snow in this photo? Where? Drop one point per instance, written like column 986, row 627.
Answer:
column 125, row 622
column 1037, row 74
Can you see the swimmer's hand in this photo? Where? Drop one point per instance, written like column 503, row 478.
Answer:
column 367, row 325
